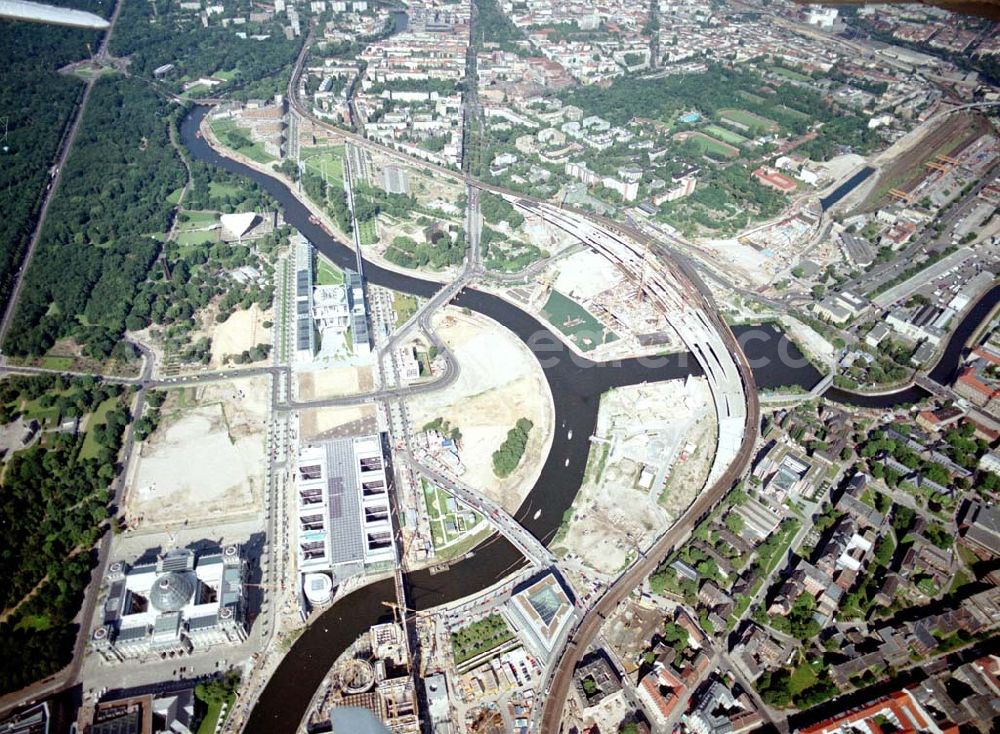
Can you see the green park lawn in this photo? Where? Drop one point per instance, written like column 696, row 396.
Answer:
column 91, row 448
column 327, row 273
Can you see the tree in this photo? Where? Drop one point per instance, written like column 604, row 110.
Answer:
column 773, row 687
column 508, row 456
column 675, row 635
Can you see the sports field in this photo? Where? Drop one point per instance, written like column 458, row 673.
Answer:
column 790, row 74
column 752, row 121
column 726, row 135
column 326, row 161
column 709, row 144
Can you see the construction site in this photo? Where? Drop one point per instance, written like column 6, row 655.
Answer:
column 650, row 455
column 370, row 682
column 500, row 382
column 595, row 308
column 206, row 459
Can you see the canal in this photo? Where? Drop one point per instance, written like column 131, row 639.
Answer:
column 845, row 188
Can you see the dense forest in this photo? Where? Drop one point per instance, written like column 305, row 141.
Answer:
column 155, row 33
column 37, row 103
column 53, row 504
column 493, row 26
column 98, row 243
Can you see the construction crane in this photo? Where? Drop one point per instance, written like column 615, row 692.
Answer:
column 401, row 613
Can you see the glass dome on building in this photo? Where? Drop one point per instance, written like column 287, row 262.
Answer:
column 172, row 591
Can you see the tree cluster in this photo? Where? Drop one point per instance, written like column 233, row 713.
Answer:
column 496, row 209
column 508, row 456
column 96, row 247
column 160, row 32
column 38, row 101
column 53, row 504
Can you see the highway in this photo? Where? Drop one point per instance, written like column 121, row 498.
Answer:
column 696, row 303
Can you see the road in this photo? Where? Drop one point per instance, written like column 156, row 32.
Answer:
column 60, row 164
column 904, row 259
column 68, row 675
column 559, row 677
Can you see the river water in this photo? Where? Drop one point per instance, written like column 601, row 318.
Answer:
column 576, row 385
column 944, row 371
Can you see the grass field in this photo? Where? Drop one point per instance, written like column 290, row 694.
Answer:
column 789, row 74
column 211, row 720
column 575, row 321
column 32, row 409
column 404, row 306
column 196, row 91
column 238, row 139
column 725, row 135
column 196, row 219
column 327, row 273
column 220, row 189
column 748, row 118
column 791, row 112
column 196, row 237
column 90, row 446
column 57, row 363
column 750, row 97
column 175, row 196
column 711, row 145
column 325, row 160
column 803, row 677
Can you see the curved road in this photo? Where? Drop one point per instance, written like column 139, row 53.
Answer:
column 560, row 677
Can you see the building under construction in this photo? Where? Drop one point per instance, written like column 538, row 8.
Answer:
column 371, row 682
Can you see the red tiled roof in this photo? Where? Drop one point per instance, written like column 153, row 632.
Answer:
column 905, row 709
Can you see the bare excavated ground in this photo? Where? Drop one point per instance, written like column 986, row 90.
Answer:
column 334, row 382
column 668, row 427
column 500, row 381
column 206, row 459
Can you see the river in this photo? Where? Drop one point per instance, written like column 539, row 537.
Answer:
column 944, row 371
column 576, row 385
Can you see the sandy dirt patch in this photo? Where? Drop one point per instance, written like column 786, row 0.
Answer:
column 500, row 381
column 333, row 382
column 207, row 457
column 243, row 330
column 584, row 275
column 642, row 472
column 691, row 471
column 323, row 423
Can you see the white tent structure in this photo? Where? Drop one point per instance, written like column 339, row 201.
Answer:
column 237, row 225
